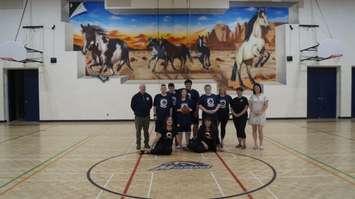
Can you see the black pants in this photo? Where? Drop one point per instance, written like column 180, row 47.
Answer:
column 239, row 124
column 196, row 146
column 223, row 120
column 163, row 147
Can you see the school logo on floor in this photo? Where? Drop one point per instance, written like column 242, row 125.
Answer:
column 181, row 165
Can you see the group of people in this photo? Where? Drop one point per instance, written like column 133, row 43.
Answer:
column 176, row 114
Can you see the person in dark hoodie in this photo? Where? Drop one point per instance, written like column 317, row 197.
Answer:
column 163, row 141
column 141, row 104
column 207, row 138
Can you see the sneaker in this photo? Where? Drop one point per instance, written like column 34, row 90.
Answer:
column 146, row 147
column 261, row 147
column 138, row 148
column 178, row 147
column 238, row 146
column 243, row 147
column 255, row 147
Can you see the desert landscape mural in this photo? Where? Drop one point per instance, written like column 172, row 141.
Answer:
column 196, row 46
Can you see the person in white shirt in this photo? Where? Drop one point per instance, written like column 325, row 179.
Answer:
column 258, row 104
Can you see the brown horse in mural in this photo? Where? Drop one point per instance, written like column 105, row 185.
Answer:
column 173, row 52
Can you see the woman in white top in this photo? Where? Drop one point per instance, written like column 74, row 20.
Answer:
column 258, row 103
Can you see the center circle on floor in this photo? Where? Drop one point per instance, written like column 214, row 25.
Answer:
column 207, row 163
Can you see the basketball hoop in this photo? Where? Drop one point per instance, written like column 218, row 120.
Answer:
column 330, row 48
column 12, row 51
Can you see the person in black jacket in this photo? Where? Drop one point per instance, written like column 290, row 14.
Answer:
column 141, row 104
column 207, row 138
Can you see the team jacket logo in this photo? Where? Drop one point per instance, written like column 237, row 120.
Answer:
column 181, row 165
column 223, row 103
column 210, row 102
column 163, row 103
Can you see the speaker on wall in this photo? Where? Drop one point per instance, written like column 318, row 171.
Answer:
column 53, row 60
column 289, row 58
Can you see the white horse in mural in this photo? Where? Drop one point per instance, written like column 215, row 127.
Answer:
column 253, row 47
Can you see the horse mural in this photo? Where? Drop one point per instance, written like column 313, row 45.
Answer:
column 167, row 51
column 203, row 52
column 252, row 49
column 158, row 52
column 105, row 52
column 89, row 34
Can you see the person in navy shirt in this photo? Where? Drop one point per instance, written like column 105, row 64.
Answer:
column 223, row 111
column 194, row 96
column 173, row 95
column 184, row 107
column 162, row 108
column 209, row 105
column 141, row 104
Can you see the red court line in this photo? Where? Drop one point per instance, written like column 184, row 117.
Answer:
column 132, row 175
column 234, row 175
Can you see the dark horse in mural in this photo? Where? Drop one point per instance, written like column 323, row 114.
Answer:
column 163, row 49
column 105, row 52
column 180, row 51
column 203, row 52
column 158, row 52
column 252, row 51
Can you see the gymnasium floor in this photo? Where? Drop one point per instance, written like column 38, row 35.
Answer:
column 51, row 160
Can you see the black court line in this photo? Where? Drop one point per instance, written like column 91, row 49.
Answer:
column 89, row 177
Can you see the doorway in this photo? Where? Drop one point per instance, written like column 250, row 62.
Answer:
column 321, row 92
column 23, row 95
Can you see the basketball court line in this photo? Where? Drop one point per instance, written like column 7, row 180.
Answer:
column 21, row 136
column 261, row 183
column 150, row 184
column 29, row 134
column 128, row 184
column 330, row 134
column 214, row 178
column 217, row 184
column 326, row 132
column 53, row 159
column 233, row 175
column 107, row 182
column 309, row 159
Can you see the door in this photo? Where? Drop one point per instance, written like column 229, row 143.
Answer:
column 321, row 92
column 23, row 95
column 353, row 92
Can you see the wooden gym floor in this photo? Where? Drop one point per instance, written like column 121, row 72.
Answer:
column 51, row 160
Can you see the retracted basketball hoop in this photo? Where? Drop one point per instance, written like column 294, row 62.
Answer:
column 314, row 50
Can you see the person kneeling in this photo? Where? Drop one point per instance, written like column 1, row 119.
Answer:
column 163, row 141
column 207, row 138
